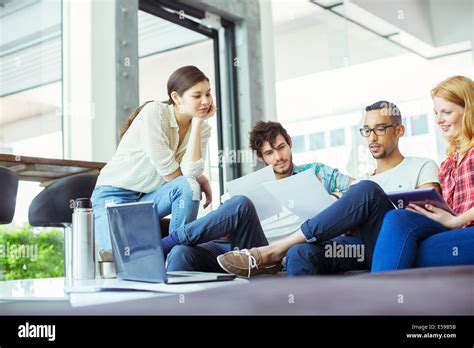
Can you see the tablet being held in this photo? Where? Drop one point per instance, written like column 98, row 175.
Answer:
column 420, row 197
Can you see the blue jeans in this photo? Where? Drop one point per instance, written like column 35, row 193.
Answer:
column 312, row 258
column 199, row 246
column 175, row 197
column 408, row 239
column 363, row 207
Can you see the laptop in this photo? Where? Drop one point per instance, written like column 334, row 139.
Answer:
column 138, row 252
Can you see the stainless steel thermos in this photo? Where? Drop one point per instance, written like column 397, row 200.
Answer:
column 81, row 247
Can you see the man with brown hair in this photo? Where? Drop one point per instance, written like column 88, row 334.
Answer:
column 273, row 145
column 237, row 216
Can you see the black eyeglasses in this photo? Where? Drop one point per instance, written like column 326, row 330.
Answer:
column 379, row 130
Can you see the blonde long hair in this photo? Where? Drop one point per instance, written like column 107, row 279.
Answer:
column 460, row 91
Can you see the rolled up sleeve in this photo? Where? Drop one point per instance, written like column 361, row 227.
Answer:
column 156, row 140
column 195, row 169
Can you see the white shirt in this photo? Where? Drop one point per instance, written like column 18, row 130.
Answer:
column 149, row 150
column 409, row 174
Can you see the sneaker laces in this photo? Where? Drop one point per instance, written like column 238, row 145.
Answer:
column 252, row 260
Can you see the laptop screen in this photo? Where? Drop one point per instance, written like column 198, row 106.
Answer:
column 136, row 242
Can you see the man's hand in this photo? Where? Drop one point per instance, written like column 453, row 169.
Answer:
column 206, row 189
column 437, row 214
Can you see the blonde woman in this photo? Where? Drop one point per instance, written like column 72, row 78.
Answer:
column 428, row 236
column 160, row 157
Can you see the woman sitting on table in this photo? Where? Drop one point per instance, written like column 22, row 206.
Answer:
column 429, row 236
column 160, row 156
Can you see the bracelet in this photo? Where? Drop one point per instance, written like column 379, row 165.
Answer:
column 333, row 194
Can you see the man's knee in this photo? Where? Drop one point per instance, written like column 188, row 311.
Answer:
column 242, row 204
column 182, row 258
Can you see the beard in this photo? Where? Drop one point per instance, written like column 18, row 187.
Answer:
column 283, row 171
column 383, row 154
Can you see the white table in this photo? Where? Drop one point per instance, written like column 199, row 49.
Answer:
column 97, row 291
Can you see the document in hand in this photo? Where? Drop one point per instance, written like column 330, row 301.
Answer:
column 251, row 186
column 303, row 194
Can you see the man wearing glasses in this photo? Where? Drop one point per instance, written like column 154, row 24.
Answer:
column 318, row 247
column 382, row 128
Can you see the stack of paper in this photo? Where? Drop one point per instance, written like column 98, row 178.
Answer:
column 251, row 186
column 302, row 194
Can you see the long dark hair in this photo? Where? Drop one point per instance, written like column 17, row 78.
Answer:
column 180, row 81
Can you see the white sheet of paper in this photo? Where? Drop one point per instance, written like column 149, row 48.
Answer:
column 302, row 194
column 251, row 186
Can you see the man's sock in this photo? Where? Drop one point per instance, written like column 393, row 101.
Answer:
column 169, row 242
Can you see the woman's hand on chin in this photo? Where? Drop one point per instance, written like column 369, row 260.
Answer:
column 210, row 113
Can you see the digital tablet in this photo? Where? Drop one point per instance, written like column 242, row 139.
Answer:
column 420, row 197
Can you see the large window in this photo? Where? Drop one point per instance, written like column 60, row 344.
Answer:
column 333, row 58
column 298, row 144
column 317, row 141
column 30, row 86
column 30, row 124
column 419, row 125
column 337, row 137
column 165, row 46
column 30, row 75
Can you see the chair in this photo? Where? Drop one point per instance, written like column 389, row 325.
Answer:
column 53, row 207
column 8, row 192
